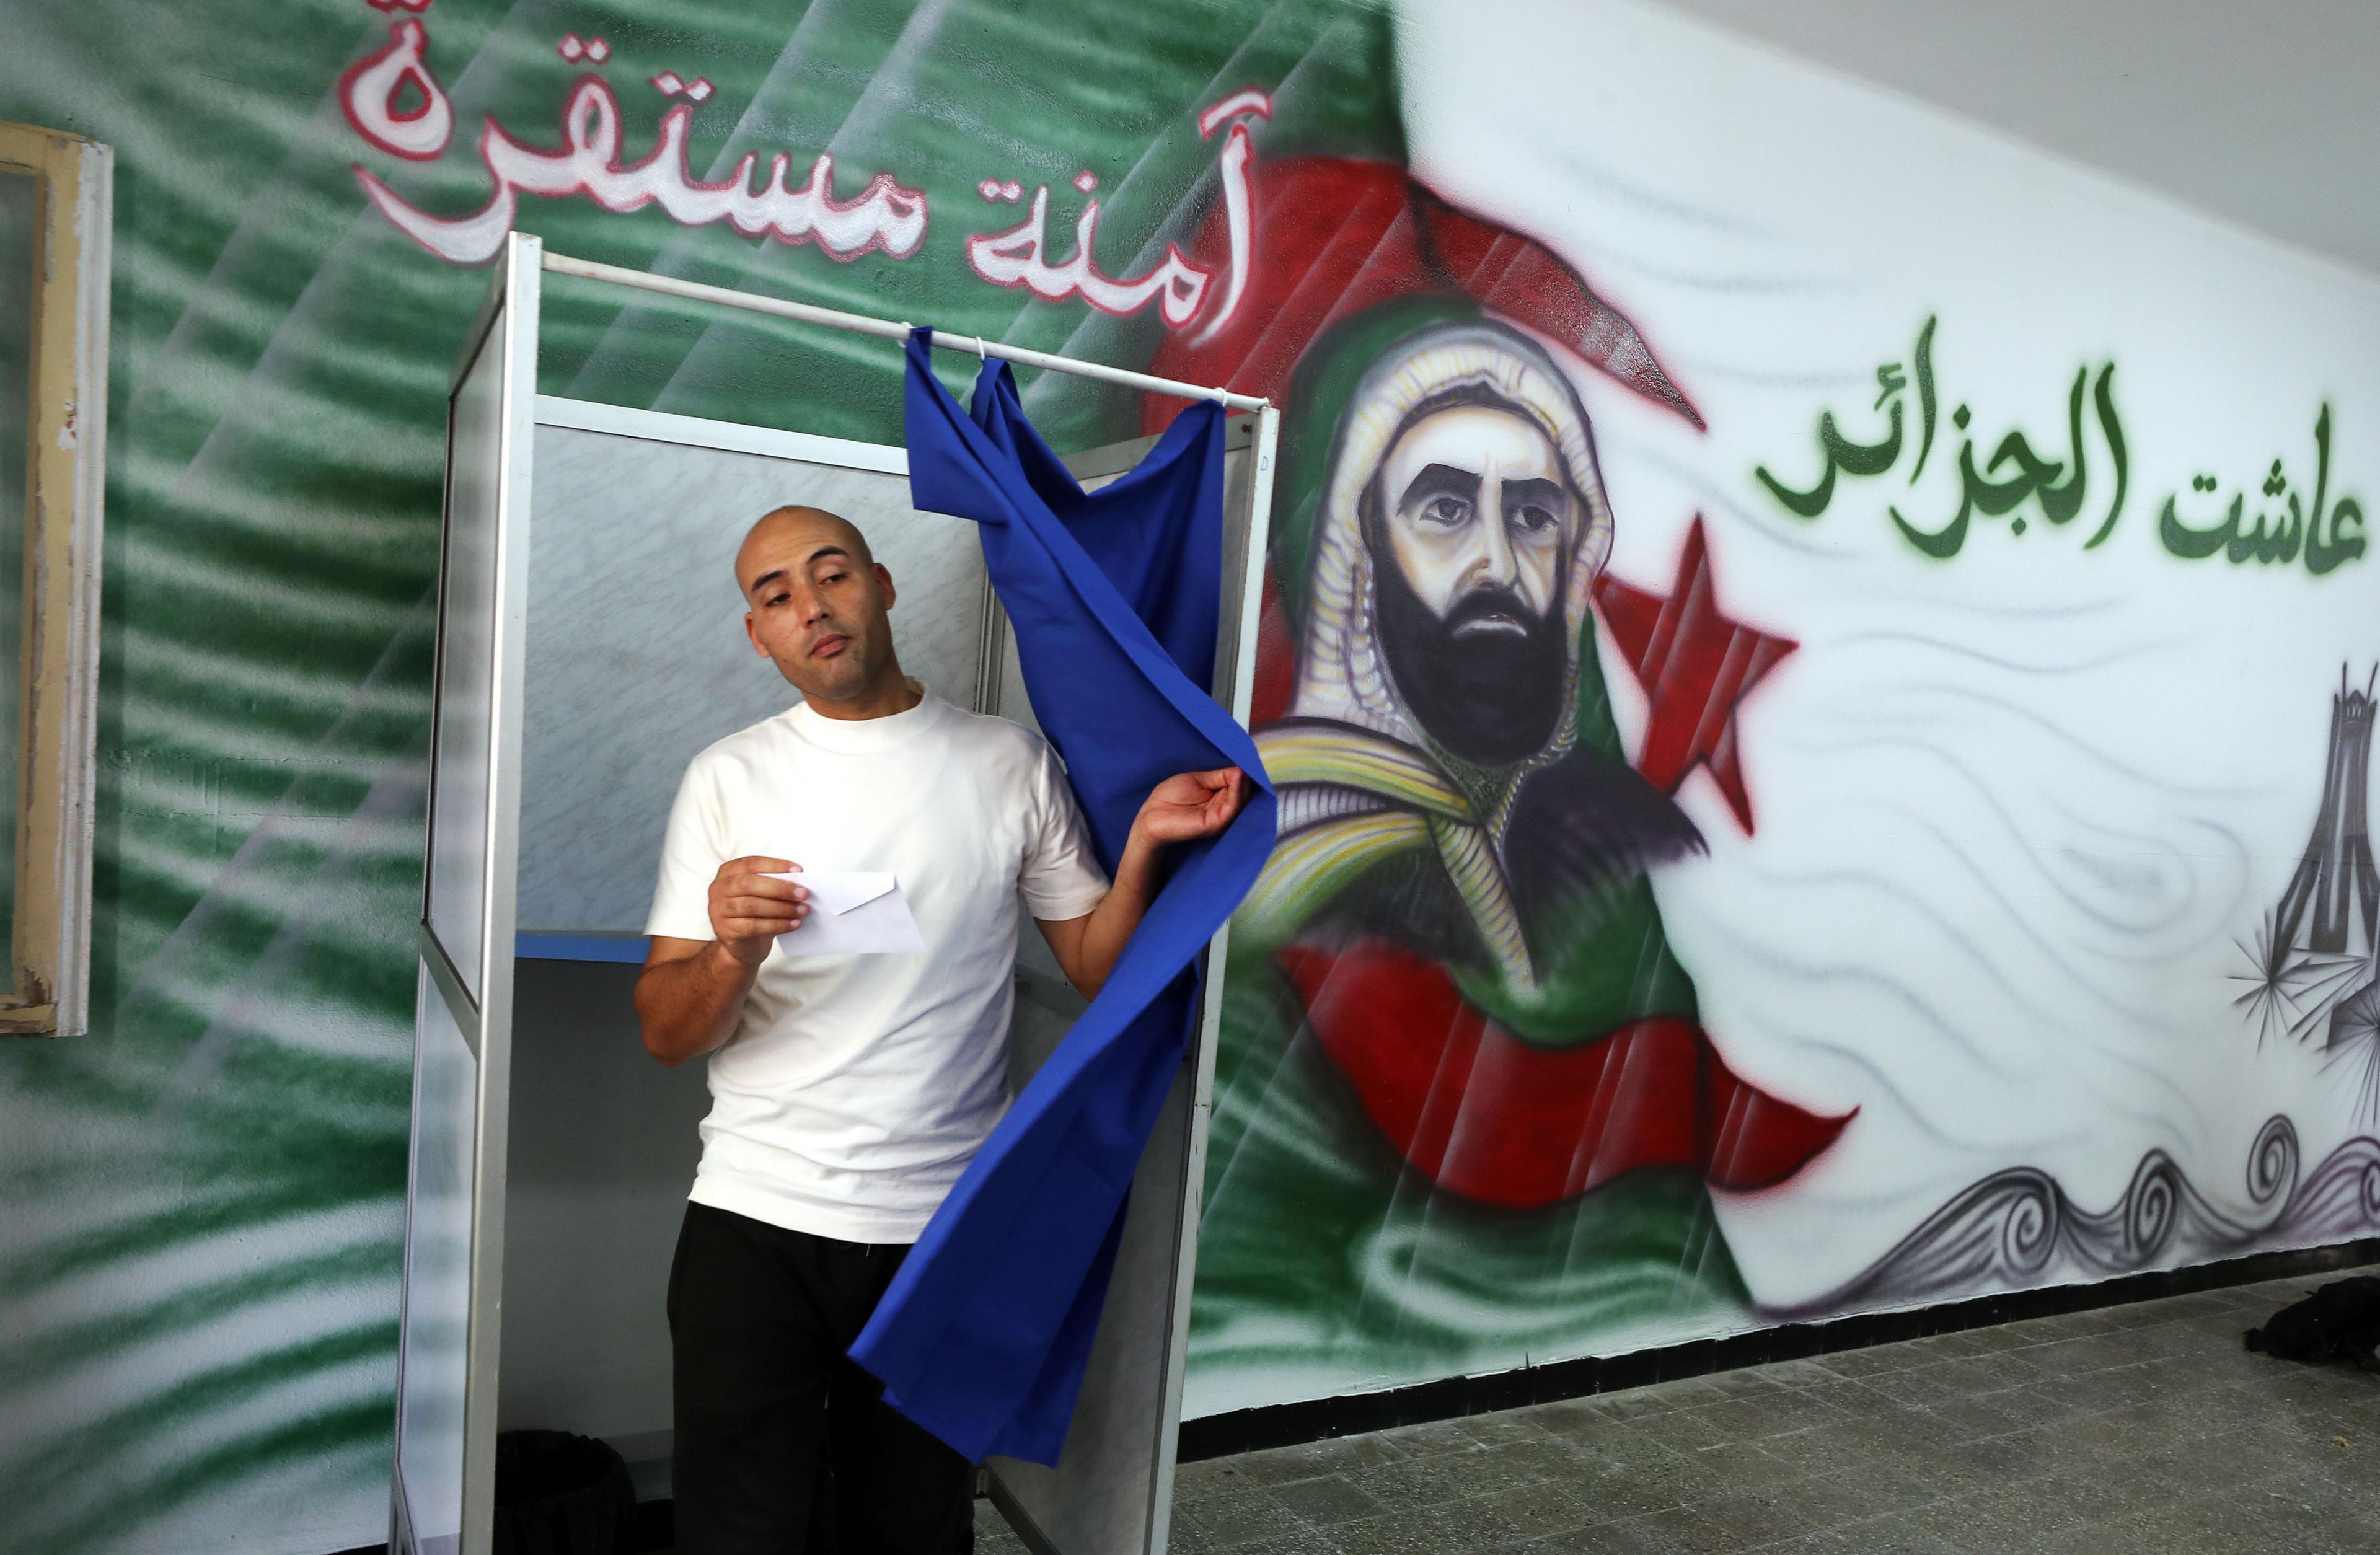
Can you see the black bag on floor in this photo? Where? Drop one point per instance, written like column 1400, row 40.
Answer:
column 560, row 1494
column 2340, row 1322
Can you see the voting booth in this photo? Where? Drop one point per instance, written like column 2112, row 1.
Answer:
column 588, row 645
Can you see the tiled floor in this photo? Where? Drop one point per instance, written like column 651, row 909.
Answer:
column 2134, row 1428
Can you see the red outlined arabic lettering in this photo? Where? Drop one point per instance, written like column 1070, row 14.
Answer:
column 377, row 96
column 1015, row 258
column 371, row 88
column 885, row 216
column 1239, row 149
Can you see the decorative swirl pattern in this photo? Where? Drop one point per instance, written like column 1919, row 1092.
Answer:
column 2156, row 1189
column 2017, row 1229
column 2030, row 1229
column 2272, row 1161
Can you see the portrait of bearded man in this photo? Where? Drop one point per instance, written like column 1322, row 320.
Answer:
column 1463, row 1099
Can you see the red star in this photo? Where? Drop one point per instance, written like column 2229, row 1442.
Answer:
column 1696, row 665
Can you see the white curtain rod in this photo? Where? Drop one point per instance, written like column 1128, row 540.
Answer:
column 889, row 328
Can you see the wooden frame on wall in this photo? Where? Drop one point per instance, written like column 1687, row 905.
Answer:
column 47, row 986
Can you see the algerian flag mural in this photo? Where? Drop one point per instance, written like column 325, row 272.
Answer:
column 1820, row 662
column 1803, row 663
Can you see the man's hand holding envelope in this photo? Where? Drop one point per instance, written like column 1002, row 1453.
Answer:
column 758, row 901
column 853, row 912
column 753, row 900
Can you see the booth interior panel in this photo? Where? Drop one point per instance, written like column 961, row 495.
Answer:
column 637, row 654
column 604, row 1143
column 437, row 1271
column 458, row 803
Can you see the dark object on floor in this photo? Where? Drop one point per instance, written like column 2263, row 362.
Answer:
column 2340, row 1321
column 560, row 1494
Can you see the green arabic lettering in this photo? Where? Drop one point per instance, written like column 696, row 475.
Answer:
column 2322, row 555
column 2059, row 503
column 2269, row 539
column 2190, row 544
column 2014, row 473
column 2103, row 396
column 1976, row 493
column 2035, row 477
column 2337, row 550
column 1924, row 396
column 2291, row 528
column 1842, row 454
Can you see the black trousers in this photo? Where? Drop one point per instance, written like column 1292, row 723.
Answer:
column 784, row 1445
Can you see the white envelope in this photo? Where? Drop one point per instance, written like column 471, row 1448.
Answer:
column 853, row 912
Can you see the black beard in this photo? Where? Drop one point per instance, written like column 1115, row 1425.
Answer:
column 1491, row 697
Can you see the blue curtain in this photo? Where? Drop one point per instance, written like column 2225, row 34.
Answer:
column 985, row 1333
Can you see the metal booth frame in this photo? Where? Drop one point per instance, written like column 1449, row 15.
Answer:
column 449, row 1350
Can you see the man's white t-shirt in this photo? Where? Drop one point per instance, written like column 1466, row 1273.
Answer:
column 856, row 1088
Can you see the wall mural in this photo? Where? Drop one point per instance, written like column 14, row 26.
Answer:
column 1476, row 1107
column 1802, row 663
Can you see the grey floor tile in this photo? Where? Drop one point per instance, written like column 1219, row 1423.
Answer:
column 1303, row 1541
column 993, row 1533
column 1782, row 1511
column 1684, row 1430
column 1675, row 1531
column 1233, row 1516
column 1325, row 1502
column 1886, row 1487
column 2233, row 1458
column 1660, row 1398
column 2090, row 1433
column 2056, row 1399
column 1972, row 1341
column 1868, row 1362
column 2015, row 1457
column 1749, row 1382
column 1568, row 1417
column 1428, row 1438
column 1984, row 1415
column 1495, row 1431
column 1603, row 1445
column 1896, row 1534
column 1427, row 1530
column 1640, row 1489
column 1415, row 1482
column 1818, row 1448
column 1852, row 1397
column 1535, row 1511
column 1541, row 1455
column 1743, row 1465
column 1920, row 1385
column 1993, row 1370
column 1801, row 1373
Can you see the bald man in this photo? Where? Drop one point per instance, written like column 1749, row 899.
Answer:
column 849, row 1092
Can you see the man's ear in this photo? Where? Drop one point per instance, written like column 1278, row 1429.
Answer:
column 884, row 582
column 753, row 633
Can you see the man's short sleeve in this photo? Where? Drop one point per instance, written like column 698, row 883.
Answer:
column 1061, row 878
column 692, row 852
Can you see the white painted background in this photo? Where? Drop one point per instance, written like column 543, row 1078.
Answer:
column 2013, row 808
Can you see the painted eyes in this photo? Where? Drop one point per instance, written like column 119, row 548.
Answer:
column 1533, row 519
